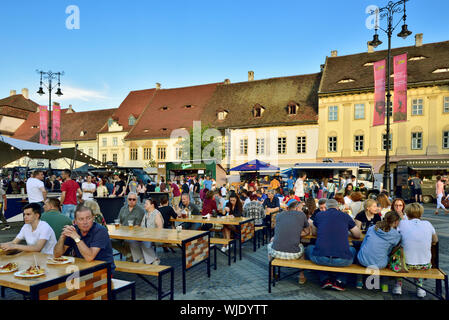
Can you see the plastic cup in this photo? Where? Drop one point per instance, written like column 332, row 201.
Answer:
column 131, row 224
column 385, row 288
column 117, row 223
column 179, row 229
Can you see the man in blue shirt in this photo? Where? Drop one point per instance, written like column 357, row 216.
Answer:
column 332, row 246
column 208, row 183
column 290, row 183
column 89, row 240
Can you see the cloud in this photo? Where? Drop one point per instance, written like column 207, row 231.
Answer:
column 71, row 93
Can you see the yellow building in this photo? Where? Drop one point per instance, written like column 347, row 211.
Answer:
column 346, row 102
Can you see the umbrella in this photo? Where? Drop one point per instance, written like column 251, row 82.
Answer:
column 255, row 165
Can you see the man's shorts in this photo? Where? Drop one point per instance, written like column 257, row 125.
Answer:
column 285, row 255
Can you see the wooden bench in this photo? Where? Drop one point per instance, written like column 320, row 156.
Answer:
column 149, row 270
column 434, row 273
column 122, row 285
column 228, row 242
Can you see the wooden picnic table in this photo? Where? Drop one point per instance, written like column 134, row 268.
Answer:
column 94, row 283
column 246, row 226
column 195, row 245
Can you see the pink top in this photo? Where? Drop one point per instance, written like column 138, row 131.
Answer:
column 440, row 187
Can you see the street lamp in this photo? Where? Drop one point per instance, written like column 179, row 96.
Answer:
column 388, row 12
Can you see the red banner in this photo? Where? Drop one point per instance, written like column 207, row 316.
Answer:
column 56, row 125
column 43, row 124
column 400, row 88
column 379, row 93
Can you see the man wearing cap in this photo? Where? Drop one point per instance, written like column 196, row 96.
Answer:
column 291, row 225
column 332, row 245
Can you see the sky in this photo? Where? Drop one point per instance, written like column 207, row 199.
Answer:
column 121, row 46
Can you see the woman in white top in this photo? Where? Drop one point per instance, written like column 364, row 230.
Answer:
column 356, row 206
column 38, row 234
column 102, row 191
column 143, row 251
column 417, row 239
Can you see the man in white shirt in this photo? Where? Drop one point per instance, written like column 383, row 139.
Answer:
column 299, row 186
column 36, row 189
column 38, row 234
column 223, row 191
column 88, row 189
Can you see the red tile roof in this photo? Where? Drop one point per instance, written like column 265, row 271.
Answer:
column 134, row 104
column 20, row 102
column 71, row 125
column 155, row 119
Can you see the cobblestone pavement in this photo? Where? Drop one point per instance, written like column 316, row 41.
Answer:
column 247, row 279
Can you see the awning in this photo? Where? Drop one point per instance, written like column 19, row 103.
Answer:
column 13, row 149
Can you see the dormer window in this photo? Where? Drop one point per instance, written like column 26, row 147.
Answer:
column 110, row 122
column 417, row 58
column 222, row 115
column 368, row 64
column 164, row 108
column 83, row 133
column 441, row 70
column 188, row 106
column 258, row 111
column 131, row 120
column 34, row 127
column 292, row 109
column 346, row 80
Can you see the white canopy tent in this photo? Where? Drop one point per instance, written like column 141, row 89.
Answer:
column 13, row 149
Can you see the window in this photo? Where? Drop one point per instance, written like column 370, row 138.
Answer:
column 178, row 153
column 243, row 146
column 147, row 154
column 416, row 140
column 333, row 113
column 359, row 143
column 133, row 154
column 384, row 142
column 103, row 157
column 161, row 153
column 228, row 148
column 282, row 145
column 110, row 121
column 131, row 120
column 257, row 111
column 104, row 142
column 446, row 105
column 301, row 145
column 114, row 157
column 446, row 140
column 332, row 144
column 417, row 107
column 222, row 115
column 260, row 146
column 91, row 152
column 115, row 141
column 359, row 111
column 292, row 109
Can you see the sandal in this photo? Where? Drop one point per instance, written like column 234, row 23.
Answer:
column 302, row 280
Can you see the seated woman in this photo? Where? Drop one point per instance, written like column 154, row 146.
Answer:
column 95, row 208
column 369, row 217
column 341, row 202
column 38, row 234
column 356, row 206
column 143, row 251
column 398, row 206
column 384, row 204
column 378, row 243
column 417, row 239
column 233, row 208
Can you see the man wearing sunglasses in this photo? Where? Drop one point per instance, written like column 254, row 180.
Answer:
column 131, row 211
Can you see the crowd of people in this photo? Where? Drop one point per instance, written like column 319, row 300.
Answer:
column 73, row 223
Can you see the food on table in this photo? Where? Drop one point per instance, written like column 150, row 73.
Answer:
column 33, row 270
column 9, row 267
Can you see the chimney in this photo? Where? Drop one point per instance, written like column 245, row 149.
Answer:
column 158, row 86
column 12, row 93
column 370, row 48
column 70, row 110
column 334, row 53
column 250, row 75
column 227, row 81
column 418, row 39
column 25, row 93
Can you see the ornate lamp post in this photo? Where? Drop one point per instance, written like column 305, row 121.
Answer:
column 388, row 12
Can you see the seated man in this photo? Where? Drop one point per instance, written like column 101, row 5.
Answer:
column 53, row 216
column 89, row 240
column 38, row 235
column 291, row 225
column 321, row 207
column 332, row 245
column 271, row 205
column 255, row 210
column 187, row 206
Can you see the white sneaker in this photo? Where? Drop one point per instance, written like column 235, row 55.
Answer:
column 397, row 289
column 224, row 249
column 420, row 293
column 7, row 227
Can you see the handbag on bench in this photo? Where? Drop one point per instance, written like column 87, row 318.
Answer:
column 396, row 260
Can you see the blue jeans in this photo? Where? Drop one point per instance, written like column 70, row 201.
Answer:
column 191, row 226
column 69, row 211
column 331, row 262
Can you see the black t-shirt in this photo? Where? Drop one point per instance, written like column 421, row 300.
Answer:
column 185, row 188
column 236, row 212
column 118, row 186
column 167, row 213
column 150, row 187
column 362, row 218
column 196, row 187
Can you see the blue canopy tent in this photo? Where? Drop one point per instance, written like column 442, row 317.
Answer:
column 255, row 165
